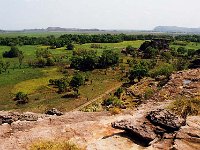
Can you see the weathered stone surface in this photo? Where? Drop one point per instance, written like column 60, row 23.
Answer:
column 144, row 131
column 28, row 117
column 54, row 111
column 165, row 120
column 189, row 134
column 156, row 124
column 11, row 117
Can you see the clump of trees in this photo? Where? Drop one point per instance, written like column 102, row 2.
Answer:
column 84, row 60
column 138, row 71
column 77, row 80
column 88, row 60
column 108, row 58
column 43, row 58
column 67, row 84
column 62, row 84
column 13, row 52
column 130, row 50
column 151, row 49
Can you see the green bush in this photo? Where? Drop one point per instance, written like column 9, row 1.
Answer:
column 45, row 53
column 14, row 52
column 21, row 98
column 163, row 69
column 77, row 80
column 181, row 64
column 114, row 101
column 138, row 71
column 41, row 62
column 70, row 46
column 62, row 84
column 119, row 92
column 182, row 51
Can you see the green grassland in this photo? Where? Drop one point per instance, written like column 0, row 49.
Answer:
column 35, row 82
column 190, row 45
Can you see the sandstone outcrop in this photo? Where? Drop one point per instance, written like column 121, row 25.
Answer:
column 161, row 129
column 10, row 117
column 152, row 126
column 54, row 111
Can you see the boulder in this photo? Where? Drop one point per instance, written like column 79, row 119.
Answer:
column 143, row 131
column 6, row 119
column 165, row 120
column 54, row 111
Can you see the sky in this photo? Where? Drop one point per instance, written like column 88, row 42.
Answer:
column 101, row 14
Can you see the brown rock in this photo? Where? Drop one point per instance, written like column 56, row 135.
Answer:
column 143, row 131
column 165, row 120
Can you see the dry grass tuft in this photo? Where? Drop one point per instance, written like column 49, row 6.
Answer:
column 50, row 145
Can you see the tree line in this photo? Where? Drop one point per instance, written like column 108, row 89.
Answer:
column 87, row 38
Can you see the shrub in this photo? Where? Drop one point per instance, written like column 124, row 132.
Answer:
column 181, row 64
column 14, row 52
column 182, row 51
column 115, row 111
column 167, row 56
column 50, row 61
column 114, row 101
column 21, row 98
column 70, row 46
column 77, row 80
column 4, row 66
column 150, row 52
column 148, row 93
column 163, row 69
column 131, row 50
column 119, row 92
column 62, row 84
column 186, row 106
column 41, row 62
column 45, row 53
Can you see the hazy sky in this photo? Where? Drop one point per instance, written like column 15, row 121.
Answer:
column 102, row 14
